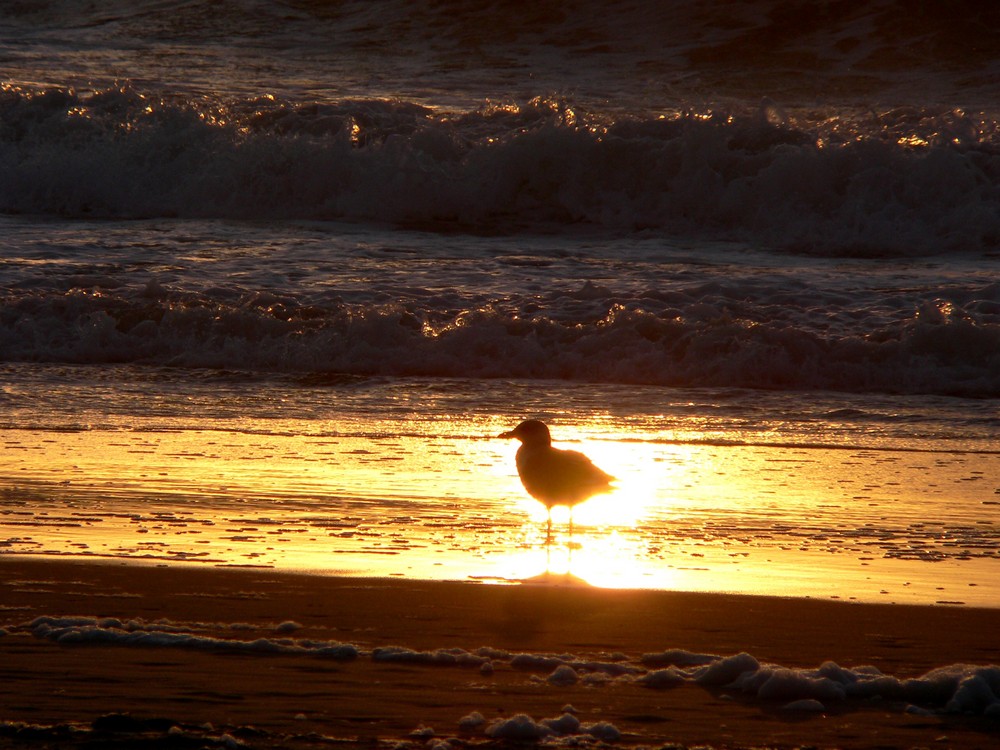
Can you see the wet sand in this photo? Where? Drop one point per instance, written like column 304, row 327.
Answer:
column 56, row 694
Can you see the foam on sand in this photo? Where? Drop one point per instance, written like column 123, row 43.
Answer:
column 953, row 689
column 93, row 631
column 523, row 728
column 440, row 657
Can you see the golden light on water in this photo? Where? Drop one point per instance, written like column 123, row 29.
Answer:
column 607, row 560
column 433, row 501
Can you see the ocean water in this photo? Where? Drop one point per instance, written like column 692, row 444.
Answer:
column 274, row 274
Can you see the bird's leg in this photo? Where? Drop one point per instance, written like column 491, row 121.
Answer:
column 548, row 535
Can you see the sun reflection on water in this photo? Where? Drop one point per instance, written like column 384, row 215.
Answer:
column 407, row 500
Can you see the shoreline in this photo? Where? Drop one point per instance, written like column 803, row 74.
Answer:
column 286, row 697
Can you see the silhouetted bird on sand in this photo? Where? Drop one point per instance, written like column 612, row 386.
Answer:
column 554, row 476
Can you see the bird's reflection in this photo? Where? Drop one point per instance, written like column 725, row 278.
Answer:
column 604, row 559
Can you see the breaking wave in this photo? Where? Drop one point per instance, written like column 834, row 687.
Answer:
column 707, row 336
column 900, row 182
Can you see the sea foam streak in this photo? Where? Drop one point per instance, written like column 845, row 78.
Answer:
column 959, row 688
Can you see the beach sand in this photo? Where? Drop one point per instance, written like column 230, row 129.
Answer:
column 202, row 695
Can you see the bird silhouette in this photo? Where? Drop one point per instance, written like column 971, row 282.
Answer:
column 554, row 476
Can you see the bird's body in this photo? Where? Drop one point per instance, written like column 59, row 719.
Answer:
column 554, row 476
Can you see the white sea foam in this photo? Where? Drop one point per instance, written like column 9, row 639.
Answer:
column 957, row 688
column 677, row 658
column 662, row 678
column 422, row 733
column 441, row 657
column 565, row 724
column 726, row 669
column 571, row 662
column 471, row 722
column 523, row 728
column 563, row 675
column 520, row 728
column 86, row 630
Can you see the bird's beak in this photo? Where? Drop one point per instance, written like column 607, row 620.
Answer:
column 506, row 435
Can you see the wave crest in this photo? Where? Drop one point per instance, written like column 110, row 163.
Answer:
column 894, row 184
column 940, row 349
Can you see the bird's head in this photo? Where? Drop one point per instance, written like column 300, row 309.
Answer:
column 530, row 432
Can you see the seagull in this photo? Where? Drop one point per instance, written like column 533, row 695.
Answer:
column 554, row 476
